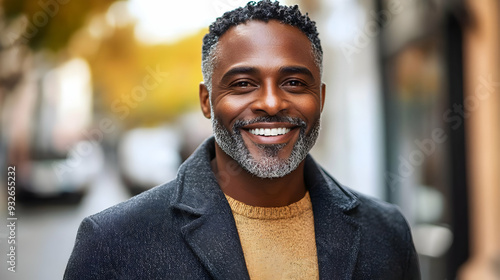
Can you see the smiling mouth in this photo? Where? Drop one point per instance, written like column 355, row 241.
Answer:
column 269, row 131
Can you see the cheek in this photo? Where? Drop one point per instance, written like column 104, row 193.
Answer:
column 230, row 109
column 310, row 108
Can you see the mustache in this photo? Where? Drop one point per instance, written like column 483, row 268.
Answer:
column 283, row 119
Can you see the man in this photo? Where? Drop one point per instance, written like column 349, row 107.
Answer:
column 250, row 202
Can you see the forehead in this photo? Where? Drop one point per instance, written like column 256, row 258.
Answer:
column 264, row 44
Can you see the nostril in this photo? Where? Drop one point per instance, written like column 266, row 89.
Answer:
column 270, row 101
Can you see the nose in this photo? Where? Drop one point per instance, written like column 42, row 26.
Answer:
column 270, row 100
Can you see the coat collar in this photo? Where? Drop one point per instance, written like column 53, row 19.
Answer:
column 209, row 227
column 211, row 232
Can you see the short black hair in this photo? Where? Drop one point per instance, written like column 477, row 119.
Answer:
column 263, row 11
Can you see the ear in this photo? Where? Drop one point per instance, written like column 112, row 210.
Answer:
column 323, row 90
column 205, row 100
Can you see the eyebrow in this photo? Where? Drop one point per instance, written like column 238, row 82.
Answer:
column 239, row 70
column 296, row 70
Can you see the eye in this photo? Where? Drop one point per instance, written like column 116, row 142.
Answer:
column 241, row 84
column 294, row 83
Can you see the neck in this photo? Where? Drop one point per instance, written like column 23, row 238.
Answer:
column 251, row 190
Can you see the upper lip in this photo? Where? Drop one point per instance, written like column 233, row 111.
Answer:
column 269, row 125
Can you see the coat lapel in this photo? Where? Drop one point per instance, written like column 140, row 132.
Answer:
column 209, row 228
column 214, row 239
column 337, row 234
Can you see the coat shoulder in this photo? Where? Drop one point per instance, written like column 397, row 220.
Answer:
column 380, row 215
column 139, row 209
column 386, row 238
column 136, row 239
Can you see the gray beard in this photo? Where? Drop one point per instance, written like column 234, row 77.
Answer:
column 270, row 165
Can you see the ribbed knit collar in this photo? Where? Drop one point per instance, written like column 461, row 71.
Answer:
column 270, row 213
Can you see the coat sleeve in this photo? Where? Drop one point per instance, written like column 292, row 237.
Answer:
column 412, row 271
column 90, row 258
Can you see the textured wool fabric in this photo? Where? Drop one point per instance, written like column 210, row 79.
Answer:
column 277, row 242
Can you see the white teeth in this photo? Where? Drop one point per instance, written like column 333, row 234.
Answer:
column 270, row 131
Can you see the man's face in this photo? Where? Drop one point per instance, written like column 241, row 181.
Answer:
column 267, row 97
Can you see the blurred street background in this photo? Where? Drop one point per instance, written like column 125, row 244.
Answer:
column 99, row 102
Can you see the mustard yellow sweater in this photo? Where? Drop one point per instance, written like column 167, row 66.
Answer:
column 277, row 242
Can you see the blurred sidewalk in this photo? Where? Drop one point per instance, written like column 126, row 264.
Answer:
column 46, row 233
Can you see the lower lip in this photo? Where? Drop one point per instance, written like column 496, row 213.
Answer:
column 269, row 140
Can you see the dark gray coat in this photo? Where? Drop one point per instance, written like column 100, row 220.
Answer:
column 184, row 229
